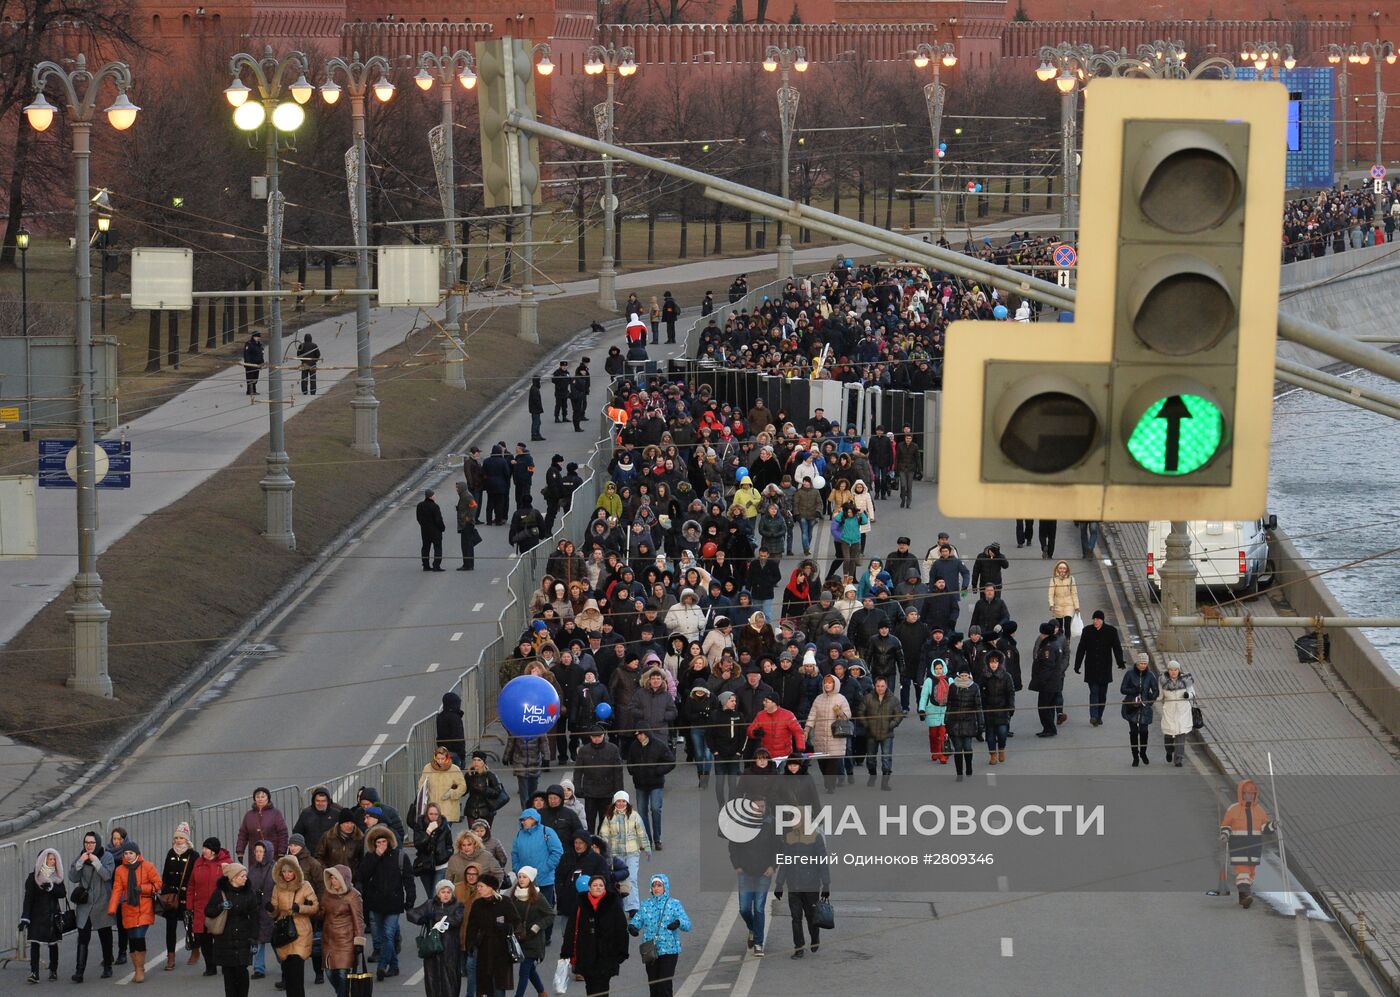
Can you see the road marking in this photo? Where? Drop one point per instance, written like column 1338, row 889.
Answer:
column 495, row 581
column 1305, row 953
column 749, row 969
column 1006, row 950
column 991, row 778
column 397, row 715
column 730, row 958
column 369, row 755
column 712, row 948
column 715, row 986
column 477, row 607
column 456, row 636
column 434, row 666
column 414, row 980
column 1003, row 885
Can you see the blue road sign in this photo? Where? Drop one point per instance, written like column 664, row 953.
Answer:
column 53, row 464
column 1065, row 256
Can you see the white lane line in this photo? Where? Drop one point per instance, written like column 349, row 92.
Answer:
column 730, row 958
column 495, row 581
column 414, row 980
column 1002, row 884
column 748, row 971
column 715, row 986
column 456, row 636
column 477, row 607
column 397, row 715
column 373, row 748
column 1006, row 950
column 1305, row 953
column 435, row 666
column 991, row 778
column 710, row 956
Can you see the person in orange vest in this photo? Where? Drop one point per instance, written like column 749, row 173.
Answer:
column 1243, row 829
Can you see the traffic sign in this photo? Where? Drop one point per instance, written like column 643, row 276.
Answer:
column 1379, row 186
column 58, row 461
column 1378, row 172
column 1062, row 278
column 1177, row 435
column 1065, row 256
column 9, row 413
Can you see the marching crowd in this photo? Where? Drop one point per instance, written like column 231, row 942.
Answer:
column 1335, row 220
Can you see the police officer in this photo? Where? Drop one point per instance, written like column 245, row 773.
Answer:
column 253, row 357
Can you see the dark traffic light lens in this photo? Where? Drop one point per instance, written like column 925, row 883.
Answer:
column 1183, row 314
column 1191, row 190
column 1049, row 433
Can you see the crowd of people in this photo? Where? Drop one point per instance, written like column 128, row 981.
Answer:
column 1337, row 219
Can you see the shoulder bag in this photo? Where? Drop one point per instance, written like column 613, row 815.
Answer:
column 81, row 893
column 647, row 950
column 843, row 727
column 284, row 931
column 824, row 917
column 215, row 925
column 429, row 942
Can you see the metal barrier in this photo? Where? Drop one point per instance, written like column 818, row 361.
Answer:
column 343, row 789
column 12, row 871
column 151, row 828
column 400, row 779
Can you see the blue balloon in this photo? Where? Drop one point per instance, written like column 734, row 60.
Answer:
column 603, row 711
column 979, row 188
column 528, row 706
column 999, row 312
column 741, row 474
column 942, row 146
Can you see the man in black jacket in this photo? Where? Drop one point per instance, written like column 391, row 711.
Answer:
column 990, row 610
column 554, row 815
column 988, row 567
column 670, row 314
column 451, row 734
column 753, row 692
column 527, row 527
column 561, row 381
column 884, row 655
column 900, row 561
column 726, row 737
column 598, row 776
column 253, row 356
column 1099, row 649
column 913, row 637
column 431, row 527
column 553, row 493
column 536, row 407
column 522, row 473
column 496, row 471
column 385, row 881
column 650, row 759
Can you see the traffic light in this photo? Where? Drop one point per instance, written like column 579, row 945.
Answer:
column 506, row 83
column 1155, row 403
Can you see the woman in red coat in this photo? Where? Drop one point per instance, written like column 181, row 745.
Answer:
column 205, row 877
column 135, row 886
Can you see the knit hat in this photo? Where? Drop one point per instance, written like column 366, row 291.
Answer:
column 725, row 698
column 528, row 871
column 182, row 830
column 621, row 794
column 1098, row 614
column 231, row 869
column 213, row 844
column 490, row 879
column 346, row 816
column 481, row 822
column 444, row 882
column 297, row 839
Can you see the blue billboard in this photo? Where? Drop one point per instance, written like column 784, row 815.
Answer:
column 1310, row 133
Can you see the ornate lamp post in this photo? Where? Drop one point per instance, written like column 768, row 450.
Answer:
column 610, row 62
column 937, row 55
column 1265, row 54
column 80, row 88
column 364, row 407
column 280, row 116
column 1363, row 55
column 444, row 69
column 785, row 59
column 1065, row 64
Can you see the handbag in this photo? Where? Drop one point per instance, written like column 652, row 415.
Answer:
column 360, row 981
column 170, row 901
column 429, row 942
column 1198, row 719
column 843, row 727
column 215, row 925
column 65, row 920
column 513, row 946
column 823, row 916
column 284, row 931
column 80, row 895
column 647, row 950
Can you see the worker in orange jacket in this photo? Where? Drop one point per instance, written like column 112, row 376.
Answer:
column 1243, row 829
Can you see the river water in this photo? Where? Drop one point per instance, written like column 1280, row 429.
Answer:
column 1334, row 483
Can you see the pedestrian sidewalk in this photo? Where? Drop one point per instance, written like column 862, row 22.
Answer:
column 1302, row 715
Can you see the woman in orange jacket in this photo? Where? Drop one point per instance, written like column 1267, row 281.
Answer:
column 135, row 885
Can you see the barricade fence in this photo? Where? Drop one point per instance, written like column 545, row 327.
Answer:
column 396, row 776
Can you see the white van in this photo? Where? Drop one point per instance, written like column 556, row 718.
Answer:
column 1232, row 555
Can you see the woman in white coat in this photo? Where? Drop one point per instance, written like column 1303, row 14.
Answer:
column 1178, row 690
column 865, row 502
column 830, row 749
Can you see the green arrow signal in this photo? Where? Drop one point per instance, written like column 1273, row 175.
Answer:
column 1177, row 435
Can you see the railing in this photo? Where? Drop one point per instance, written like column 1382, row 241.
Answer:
column 396, row 776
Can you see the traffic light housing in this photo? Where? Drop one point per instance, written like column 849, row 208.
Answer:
column 1155, row 403
column 506, row 83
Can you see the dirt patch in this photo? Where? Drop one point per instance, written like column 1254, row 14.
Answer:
column 192, row 572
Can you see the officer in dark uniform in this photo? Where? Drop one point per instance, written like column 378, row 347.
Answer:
column 253, row 357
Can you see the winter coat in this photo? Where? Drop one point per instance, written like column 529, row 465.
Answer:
column 827, row 707
column 1176, row 703
column 148, row 883
column 234, row 945
column 342, row 919
column 451, row 732
column 484, row 796
column 385, row 881
column 624, row 833
column 653, row 710
column 480, row 857
column 881, row 716
column 1047, row 666
column 656, row 915
column 445, row 788
column 885, row 656
column 1139, row 684
column 43, row 904
column 335, row 849
column 97, row 880
column 964, row 716
column 488, row 925
column 998, row 696
column 933, row 704
column 599, row 770
column 778, row 731
column 595, row 940
column 390, row 819
column 988, row 568
column 1099, row 650
column 267, row 824
column 538, row 846
column 650, row 763
column 442, row 973
column 727, row 734
column 431, row 849
column 175, row 876
column 296, row 900
column 203, row 880
column 1063, row 594
column 989, row 613
column 587, row 863
column 260, row 880
column 312, row 824
column 532, row 916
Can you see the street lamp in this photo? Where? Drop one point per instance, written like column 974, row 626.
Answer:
column 937, row 55
column 1264, row 54
column 1377, row 51
column 104, row 229
column 443, row 69
column 609, row 62
column 785, row 59
column 80, row 88
column 269, row 73
column 1065, row 64
column 364, row 407
column 22, row 244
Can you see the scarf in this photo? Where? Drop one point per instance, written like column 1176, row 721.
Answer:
column 522, row 893
column 940, row 690
column 133, row 883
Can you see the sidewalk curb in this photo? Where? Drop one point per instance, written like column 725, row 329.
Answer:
column 1334, row 903
column 212, row 663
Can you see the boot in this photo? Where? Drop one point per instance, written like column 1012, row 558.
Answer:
column 169, row 961
column 1137, row 755
column 871, row 780
column 1169, row 754
column 1001, row 755
column 991, row 758
column 1246, row 892
column 704, row 779
column 138, row 959
column 81, row 965
column 885, row 781
column 1179, row 759
column 1144, row 756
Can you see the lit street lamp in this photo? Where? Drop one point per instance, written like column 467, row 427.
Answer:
column 22, row 244
column 270, row 74
column 80, row 88
column 610, row 62
column 1262, row 55
column 1065, row 64
column 364, row 407
column 938, row 55
column 785, row 59
column 444, row 69
column 104, row 229
column 1363, row 55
